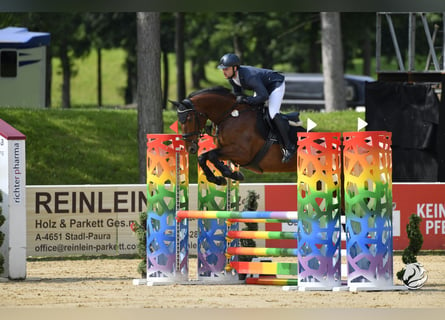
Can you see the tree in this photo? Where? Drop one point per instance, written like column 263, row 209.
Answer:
column 115, row 30
column 332, row 60
column 268, row 39
column 180, row 55
column 167, row 46
column 149, row 96
column 68, row 42
column 358, row 36
column 199, row 27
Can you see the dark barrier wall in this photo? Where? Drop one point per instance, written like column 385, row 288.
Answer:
column 411, row 113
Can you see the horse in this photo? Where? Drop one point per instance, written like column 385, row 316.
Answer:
column 244, row 134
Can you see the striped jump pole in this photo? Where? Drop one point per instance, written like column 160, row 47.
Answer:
column 264, row 268
column 264, row 252
column 262, row 235
column 254, row 220
column 167, row 192
column 368, row 208
column 249, row 267
column 319, row 186
column 283, row 216
column 272, row 281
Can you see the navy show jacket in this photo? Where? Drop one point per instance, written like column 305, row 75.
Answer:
column 261, row 81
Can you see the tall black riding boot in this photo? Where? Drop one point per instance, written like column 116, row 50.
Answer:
column 289, row 148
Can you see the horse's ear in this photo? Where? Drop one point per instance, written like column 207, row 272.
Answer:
column 175, row 103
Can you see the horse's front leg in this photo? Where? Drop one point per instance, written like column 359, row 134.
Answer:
column 202, row 161
column 225, row 170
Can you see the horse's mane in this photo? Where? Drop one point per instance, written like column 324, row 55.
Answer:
column 218, row 90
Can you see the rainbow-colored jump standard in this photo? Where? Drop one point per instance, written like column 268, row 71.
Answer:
column 319, row 183
column 290, row 216
column 253, row 251
column 368, row 208
column 167, row 192
column 275, row 268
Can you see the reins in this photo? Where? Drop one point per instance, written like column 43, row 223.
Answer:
column 189, row 107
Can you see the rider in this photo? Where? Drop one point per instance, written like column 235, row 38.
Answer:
column 267, row 85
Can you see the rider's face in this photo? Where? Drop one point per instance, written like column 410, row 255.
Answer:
column 228, row 72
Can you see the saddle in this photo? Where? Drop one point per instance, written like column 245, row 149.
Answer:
column 268, row 132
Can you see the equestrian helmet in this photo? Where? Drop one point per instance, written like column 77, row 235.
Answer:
column 229, row 60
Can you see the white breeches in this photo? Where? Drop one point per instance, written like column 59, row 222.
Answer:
column 275, row 99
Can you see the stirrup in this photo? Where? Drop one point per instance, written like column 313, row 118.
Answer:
column 287, row 155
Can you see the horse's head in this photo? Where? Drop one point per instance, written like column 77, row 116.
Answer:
column 192, row 123
column 212, row 104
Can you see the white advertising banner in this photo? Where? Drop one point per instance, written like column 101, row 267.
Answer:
column 83, row 220
column 76, row 220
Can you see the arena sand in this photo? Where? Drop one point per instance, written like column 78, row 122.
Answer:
column 104, row 289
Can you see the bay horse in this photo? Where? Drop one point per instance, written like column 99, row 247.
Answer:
column 243, row 134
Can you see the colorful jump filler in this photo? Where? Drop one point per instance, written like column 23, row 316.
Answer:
column 319, row 226
column 365, row 163
column 167, row 192
column 368, row 208
column 212, row 233
column 264, row 268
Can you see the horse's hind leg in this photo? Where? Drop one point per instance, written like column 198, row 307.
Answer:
column 224, row 169
column 202, row 161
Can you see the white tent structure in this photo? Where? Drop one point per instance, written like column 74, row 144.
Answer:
column 23, row 67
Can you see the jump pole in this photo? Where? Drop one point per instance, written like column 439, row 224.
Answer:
column 264, row 252
column 264, row 268
column 279, row 216
column 252, row 267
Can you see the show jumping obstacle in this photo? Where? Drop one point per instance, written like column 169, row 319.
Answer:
column 212, row 241
column 327, row 163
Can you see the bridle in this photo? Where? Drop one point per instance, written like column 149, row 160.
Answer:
column 186, row 108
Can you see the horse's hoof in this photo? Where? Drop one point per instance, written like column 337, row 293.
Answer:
column 238, row 176
column 220, row 181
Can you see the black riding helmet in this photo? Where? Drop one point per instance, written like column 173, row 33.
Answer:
column 229, row 60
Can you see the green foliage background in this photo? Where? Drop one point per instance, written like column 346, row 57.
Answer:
column 91, row 145
column 99, row 146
